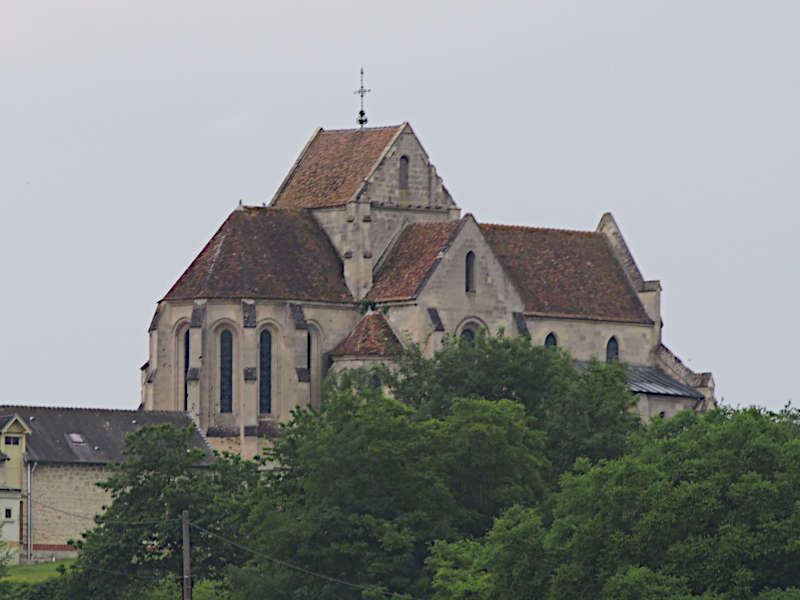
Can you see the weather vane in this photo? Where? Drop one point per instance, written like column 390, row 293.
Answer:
column 362, row 91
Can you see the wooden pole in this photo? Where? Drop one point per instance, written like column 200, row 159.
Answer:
column 187, row 562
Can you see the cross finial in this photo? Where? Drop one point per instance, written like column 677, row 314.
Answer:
column 362, row 91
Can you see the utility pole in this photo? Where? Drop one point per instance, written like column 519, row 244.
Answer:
column 187, row 561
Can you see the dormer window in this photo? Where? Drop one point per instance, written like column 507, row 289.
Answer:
column 12, row 440
column 402, row 179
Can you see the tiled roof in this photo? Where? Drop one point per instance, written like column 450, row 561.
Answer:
column 411, row 259
column 565, row 273
column 101, row 432
column 332, row 166
column 265, row 253
column 372, row 336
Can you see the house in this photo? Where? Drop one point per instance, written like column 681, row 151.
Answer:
column 51, row 461
column 277, row 296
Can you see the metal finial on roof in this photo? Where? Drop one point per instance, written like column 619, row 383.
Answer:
column 241, row 205
column 362, row 91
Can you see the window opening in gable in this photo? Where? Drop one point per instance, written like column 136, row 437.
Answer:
column 265, row 373
column 403, row 174
column 469, row 275
column 12, row 440
column 186, row 370
column 226, row 371
column 551, row 340
column 612, row 349
column 309, row 351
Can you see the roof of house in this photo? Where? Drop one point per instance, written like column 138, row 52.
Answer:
column 372, row 336
column 412, row 258
column 649, row 380
column 265, row 253
column 98, row 434
column 565, row 273
column 332, row 166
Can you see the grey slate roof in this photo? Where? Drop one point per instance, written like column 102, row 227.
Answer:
column 649, row 380
column 102, row 430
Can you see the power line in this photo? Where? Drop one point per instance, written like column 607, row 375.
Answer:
column 108, row 522
column 288, row 565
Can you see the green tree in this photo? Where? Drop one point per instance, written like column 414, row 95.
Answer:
column 582, row 410
column 363, row 487
column 137, row 541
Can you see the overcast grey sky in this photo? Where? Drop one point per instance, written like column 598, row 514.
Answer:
column 129, row 130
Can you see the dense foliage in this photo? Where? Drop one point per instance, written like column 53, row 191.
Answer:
column 489, row 471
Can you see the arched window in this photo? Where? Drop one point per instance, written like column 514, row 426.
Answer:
column 551, row 340
column 612, row 349
column 186, row 356
column 309, row 351
column 226, row 371
column 469, row 275
column 469, row 335
column 403, row 174
column 265, row 372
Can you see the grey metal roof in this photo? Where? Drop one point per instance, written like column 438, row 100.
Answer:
column 103, row 432
column 649, row 380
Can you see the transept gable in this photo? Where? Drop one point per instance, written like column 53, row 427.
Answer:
column 412, row 259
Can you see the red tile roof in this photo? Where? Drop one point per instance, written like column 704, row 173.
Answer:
column 565, row 273
column 372, row 336
column 332, row 166
column 411, row 259
column 265, row 253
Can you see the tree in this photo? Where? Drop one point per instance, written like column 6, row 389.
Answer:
column 582, row 410
column 363, row 487
column 137, row 542
column 698, row 507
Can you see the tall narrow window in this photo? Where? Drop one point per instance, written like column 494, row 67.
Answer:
column 186, row 356
column 612, row 349
column 551, row 340
column 469, row 275
column 265, row 373
column 403, row 175
column 226, row 371
column 468, row 335
column 309, row 351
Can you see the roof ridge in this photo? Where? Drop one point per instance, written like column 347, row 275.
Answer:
column 86, row 409
column 533, row 228
column 323, row 130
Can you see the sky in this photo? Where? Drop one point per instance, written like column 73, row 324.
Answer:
column 130, row 130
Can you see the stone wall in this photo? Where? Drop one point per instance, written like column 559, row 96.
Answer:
column 654, row 406
column 59, row 489
column 292, row 384
column 586, row 339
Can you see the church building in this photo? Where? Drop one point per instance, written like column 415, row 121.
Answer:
column 279, row 295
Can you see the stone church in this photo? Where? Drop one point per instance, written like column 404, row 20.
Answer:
column 278, row 296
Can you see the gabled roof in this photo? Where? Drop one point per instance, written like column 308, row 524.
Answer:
column 332, row 166
column 412, row 258
column 102, row 432
column 372, row 336
column 265, row 253
column 565, row 273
